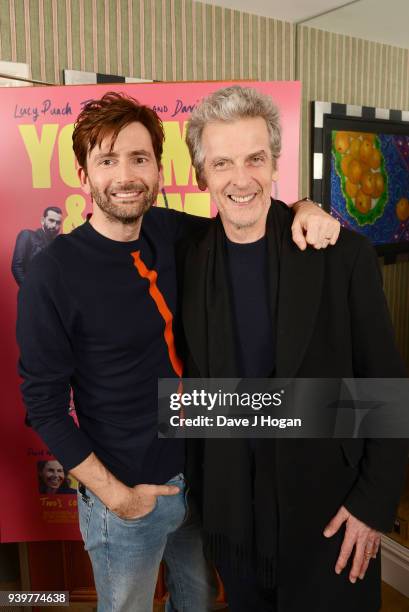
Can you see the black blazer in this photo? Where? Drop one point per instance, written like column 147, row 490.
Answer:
column 332, row 321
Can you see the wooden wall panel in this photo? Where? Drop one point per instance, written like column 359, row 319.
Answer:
column 152, row 39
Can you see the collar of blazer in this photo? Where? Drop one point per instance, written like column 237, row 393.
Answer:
column 299, row 298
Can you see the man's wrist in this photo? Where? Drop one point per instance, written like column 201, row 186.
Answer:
column 297, row 205
column 98, row 479
column 115, row 496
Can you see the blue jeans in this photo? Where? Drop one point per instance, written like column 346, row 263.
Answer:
column 126, row 555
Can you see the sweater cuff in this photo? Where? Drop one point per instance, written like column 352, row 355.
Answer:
column 72, row 449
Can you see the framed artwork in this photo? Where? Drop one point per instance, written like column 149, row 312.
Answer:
column 361, row 171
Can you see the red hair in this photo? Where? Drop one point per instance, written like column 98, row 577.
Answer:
column 108, row 116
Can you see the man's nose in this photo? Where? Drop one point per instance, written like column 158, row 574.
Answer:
column 241, row 176
column 126, row 172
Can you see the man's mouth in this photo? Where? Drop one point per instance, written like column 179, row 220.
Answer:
column 241, row 199
column 127, row 195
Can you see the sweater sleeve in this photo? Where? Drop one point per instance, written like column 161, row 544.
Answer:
column 185, row 225
column 46, row 318
column 375, row 496
column 20, row 255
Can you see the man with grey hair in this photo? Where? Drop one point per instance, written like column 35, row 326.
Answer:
column 282, row 518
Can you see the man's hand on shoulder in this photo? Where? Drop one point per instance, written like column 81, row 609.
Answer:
column 313, row 226
column 358, row 536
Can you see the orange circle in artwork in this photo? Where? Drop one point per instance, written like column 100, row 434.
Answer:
column 379, row 185
column 354, row 147
column 365, row 150
column 368, row 183
column 354, row 171
column 375, row 159
column 363, row 202
column 364, row 167
column 346, row 160
column 351, row 188
column 342, row 142
column 402, row 209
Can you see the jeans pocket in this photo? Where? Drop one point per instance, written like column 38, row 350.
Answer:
column 85, row 505
column 187, row 508
column 134, row 521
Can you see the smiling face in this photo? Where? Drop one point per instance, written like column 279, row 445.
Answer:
column 238, row 170
column 123, row 180
column 52, row 475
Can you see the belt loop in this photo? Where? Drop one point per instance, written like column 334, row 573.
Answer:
column 82, row 491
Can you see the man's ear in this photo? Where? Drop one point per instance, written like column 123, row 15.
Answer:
column 83, row 177
column 275, row 172
column 201, row 183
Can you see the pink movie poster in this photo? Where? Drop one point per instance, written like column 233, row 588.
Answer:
column 38, row 172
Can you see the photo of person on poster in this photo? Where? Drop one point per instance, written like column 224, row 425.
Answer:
column 30, row 242
column 52, row 478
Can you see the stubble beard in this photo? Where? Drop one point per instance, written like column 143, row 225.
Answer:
column 245, row 223
column 50, row 233
column 126, row 213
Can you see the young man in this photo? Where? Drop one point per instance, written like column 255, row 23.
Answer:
column 284, row 518
column 29, row 242
column 96, row 315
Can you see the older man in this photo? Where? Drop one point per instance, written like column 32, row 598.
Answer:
column 291, row 524
column 96, row 315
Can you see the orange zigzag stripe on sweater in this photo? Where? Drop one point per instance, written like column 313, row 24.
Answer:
column 166, row 314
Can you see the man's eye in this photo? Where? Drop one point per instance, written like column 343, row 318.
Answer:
column 220, row 164
column 257, row 159
column 141, row 160
column 106, row 162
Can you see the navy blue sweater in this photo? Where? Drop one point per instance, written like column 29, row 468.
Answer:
column 92, row 316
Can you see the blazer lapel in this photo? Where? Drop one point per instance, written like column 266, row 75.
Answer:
column 221, row 338
column 194, row 305
column 207, row 311
column 299, row 297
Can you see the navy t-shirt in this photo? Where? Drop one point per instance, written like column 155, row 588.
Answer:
column 92, row 316
column 247, row 265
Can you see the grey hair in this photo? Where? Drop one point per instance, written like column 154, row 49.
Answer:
column 230, row 104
